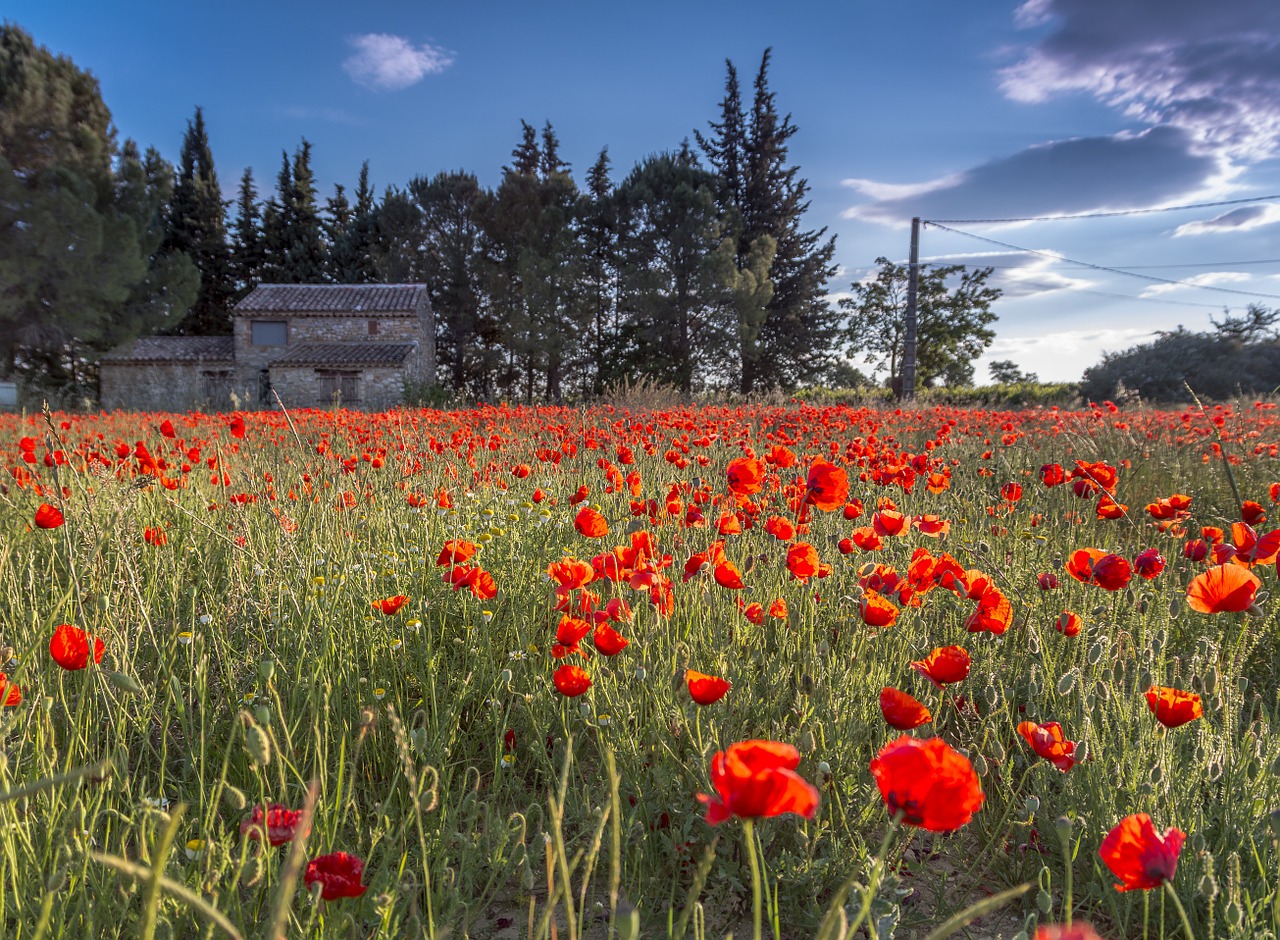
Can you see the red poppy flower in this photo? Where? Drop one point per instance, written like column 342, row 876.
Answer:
column 1048, row 742
column 754, row 779
column 802, row 561
column 1223, row 588
column 338, row 874
column 1052, row 474
column 1047, row 580
column 48, row 517
column 1252, row 513
column 1195, row 549
column 1080, row 564
column 608, row 640
column 945, row 665
column 901, row 711
column 166, row 428
column 1077, row 931
column 877, row 610
column 571, row 681
column 1173, row 707
column 69, row 647
column 746, row 476
column 867, row 539
column 237, row 426
column 1011, row 492
column 1112, row 572
column 778, row 609
column 568, row 573
column 278, row 822
column 728, row 576
column 455, row 552
column 390, row 605
column 10, row 694
column 994, row 613
column 754, row 613
column 827, row 487
column 154, row 537
column 781, row 528
column 932, row 785
column 590, row 523
column 1149, row 563
column 890, row 522
column 705, row 689
column 569, row 633
column 1138, row 855
column 1068, row 623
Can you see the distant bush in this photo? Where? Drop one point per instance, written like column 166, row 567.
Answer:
column 1240, row 357
column 1016, row 395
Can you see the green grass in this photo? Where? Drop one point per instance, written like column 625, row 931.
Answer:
column 601, row 793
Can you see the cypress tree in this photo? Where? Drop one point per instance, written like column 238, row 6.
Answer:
column 247, row 259
column 305, row 252
column 763, row 197
column 598, row 231
column 277, row 221
column 197, row 227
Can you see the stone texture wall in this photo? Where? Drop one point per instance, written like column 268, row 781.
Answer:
column 304, row 386
column 170, row 386
column 251, row 360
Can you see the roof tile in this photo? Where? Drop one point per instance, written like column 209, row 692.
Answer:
column 333, row 299
column 174, row 349
column 350, row 354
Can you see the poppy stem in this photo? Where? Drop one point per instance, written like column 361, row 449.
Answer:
column 1182, row 911
column 749, row 832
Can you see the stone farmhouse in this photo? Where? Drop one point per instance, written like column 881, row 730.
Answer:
column 313, row 345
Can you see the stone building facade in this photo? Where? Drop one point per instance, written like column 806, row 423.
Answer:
column 313, row 345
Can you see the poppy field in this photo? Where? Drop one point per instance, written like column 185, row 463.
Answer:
column 778, row 670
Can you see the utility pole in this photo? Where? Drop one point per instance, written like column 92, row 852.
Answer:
column 909, row 330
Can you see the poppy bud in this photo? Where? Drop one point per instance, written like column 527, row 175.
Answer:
column 256, row 742
column 1032, row 805
column 234, row 796
column 125, row 683
column 1062, row 825
column 267, row 669
column 505, row 677
column 252, row 873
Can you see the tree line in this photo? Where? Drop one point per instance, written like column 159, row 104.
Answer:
column 694, row 269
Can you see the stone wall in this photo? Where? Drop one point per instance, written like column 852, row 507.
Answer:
column 301, row 386
column 169, row 386
column 303, row 328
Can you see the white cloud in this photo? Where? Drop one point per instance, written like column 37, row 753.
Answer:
column 884, row 191
column 1208, row 279
column 1211, row 69
column 386, row 62
column 1062, row 356
column 1237, row 220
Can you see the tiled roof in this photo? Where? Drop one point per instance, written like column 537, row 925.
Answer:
column 345, row 354
column 333, row 299
column 174, row 349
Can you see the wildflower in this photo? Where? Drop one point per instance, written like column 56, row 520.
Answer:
column 754, row 779
column 932, row 785
column 827, row 486
column 608, row 640
column 10, row 694
column 944, row 665
column 1148, row 563
column 69, row 647
column 728, row 576
column 1047, row 580
column 1223, row 588
column 571, row 681
column 185, row 637
column 705, row 689
column 1138, row 855
column 590, row 523
column 390, row 605
column 746, row 476
column 1173, row 707
column 877, row 610
column 48, row 517
column 901, row 711
column 338, row 874
column 1068, row 623
column 1048, row 742
column 195, row 848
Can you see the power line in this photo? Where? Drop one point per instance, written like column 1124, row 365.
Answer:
column 1101, row 267
column 1103, row 215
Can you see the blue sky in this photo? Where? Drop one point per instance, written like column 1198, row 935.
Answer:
column 987, row 109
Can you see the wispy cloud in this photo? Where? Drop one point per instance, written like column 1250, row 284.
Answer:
column 1237, row 220
column 386, row 62
column 1084, row 174
column 1211, row 69
column 1208, row 279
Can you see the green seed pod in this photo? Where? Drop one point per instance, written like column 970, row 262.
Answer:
column 125, row 683
column 266, row 669
column 998, row 751
column 234, row 796
column 1066, row 683
column 1044, row 901
column 979, row 765
column 256, row 742
column 1031, row 805
column 1175, row 607
column 252, row 873
column 1211, row 679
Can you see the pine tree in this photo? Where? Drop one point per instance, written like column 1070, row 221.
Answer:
column 277, row 222
column 247, row 257
column 466, row 340
column 356, row 262
column 197, row 227
column 306, row 247
column 598, row 232
column 762, row 196
column 670, row 294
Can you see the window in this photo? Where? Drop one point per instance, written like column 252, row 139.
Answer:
column 373, row 327
column 270, row 332
column 339, row 387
